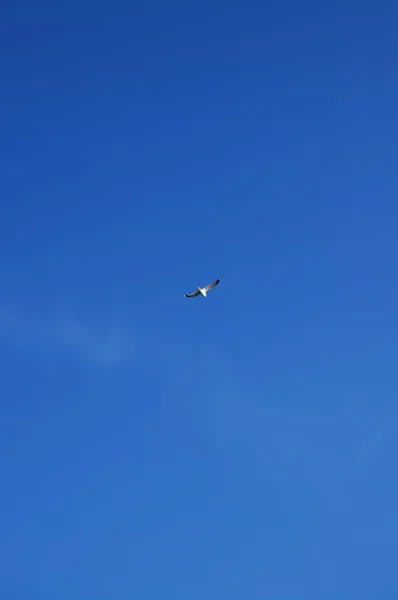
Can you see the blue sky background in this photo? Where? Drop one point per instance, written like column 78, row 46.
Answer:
column 239, row 447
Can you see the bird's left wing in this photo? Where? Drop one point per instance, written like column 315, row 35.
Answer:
column 211, row 286
column 192, row 295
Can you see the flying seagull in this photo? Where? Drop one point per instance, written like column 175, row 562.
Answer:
column 203, row 291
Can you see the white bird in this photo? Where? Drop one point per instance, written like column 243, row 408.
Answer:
column 203, row 291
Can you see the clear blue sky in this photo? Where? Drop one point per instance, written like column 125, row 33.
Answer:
column 241, row 446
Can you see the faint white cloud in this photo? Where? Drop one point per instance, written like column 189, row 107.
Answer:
column 370, row 447
column 255, row 421
column 232, row 413
column 105, row 347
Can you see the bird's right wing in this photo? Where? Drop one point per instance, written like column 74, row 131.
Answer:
column 211, row 286
column 192, row 295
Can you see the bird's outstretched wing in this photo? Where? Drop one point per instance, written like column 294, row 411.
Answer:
column 211, row 286
column 192, row 295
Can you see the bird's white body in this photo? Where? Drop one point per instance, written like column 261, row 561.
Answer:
column 203, row 291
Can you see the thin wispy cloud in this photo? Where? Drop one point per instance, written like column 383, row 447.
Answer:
column 108, row 346
column 371, row 446
column 252, row 421
column 234, row 415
